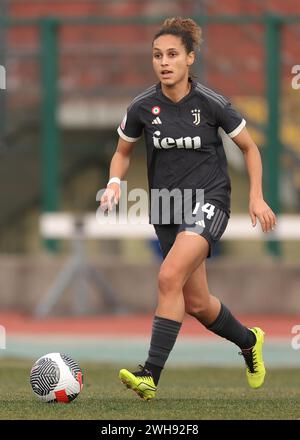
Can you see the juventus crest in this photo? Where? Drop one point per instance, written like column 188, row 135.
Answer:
column 196, row 114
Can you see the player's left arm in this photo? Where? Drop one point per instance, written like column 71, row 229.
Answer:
column 258, row 208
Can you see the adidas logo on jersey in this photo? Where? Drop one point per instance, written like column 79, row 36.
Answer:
column 200, row 223
column 156, row 121
column 182, row 142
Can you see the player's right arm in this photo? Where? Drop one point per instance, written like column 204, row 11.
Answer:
column 130, row 130
column 118, row 168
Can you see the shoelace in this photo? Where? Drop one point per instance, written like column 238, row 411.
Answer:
column 144, row 373
column 250, row 359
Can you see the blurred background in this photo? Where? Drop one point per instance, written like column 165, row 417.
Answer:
column 72, row 68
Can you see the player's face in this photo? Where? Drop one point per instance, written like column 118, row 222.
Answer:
column 170, row 60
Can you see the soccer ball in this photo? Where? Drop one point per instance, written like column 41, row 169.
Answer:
column 56, row 377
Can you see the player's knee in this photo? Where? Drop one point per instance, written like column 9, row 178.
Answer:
column 168, row 280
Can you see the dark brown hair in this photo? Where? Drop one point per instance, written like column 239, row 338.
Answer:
column 184, row 28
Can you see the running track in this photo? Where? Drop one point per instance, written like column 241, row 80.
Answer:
column 125, row 339
column 133, row 325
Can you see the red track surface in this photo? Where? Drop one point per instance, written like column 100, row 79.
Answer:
column 134, row 325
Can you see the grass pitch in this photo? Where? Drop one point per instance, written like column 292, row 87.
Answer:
column 184, row 394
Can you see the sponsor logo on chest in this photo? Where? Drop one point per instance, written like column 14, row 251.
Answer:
column 181, row 142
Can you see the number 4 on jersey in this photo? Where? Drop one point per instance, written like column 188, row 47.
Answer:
column 208, row 208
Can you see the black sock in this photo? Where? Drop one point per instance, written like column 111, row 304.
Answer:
column 227, row 326
column 164, row 335
column 155, row 370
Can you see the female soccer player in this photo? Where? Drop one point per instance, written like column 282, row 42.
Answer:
column 180, row 119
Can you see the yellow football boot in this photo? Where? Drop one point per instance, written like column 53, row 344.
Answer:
column 255, row 371
column 141, row 382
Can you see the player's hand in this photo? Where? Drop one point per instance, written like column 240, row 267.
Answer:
column 258, row 208
column 110, row 197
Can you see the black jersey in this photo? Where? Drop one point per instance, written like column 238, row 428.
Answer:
column 184, row 148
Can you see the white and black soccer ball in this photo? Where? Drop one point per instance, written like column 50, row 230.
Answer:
column 56, row 377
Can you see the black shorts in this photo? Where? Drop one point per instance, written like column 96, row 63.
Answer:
column 211, row 229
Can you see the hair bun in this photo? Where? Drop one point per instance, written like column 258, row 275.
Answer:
column 187, row 25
